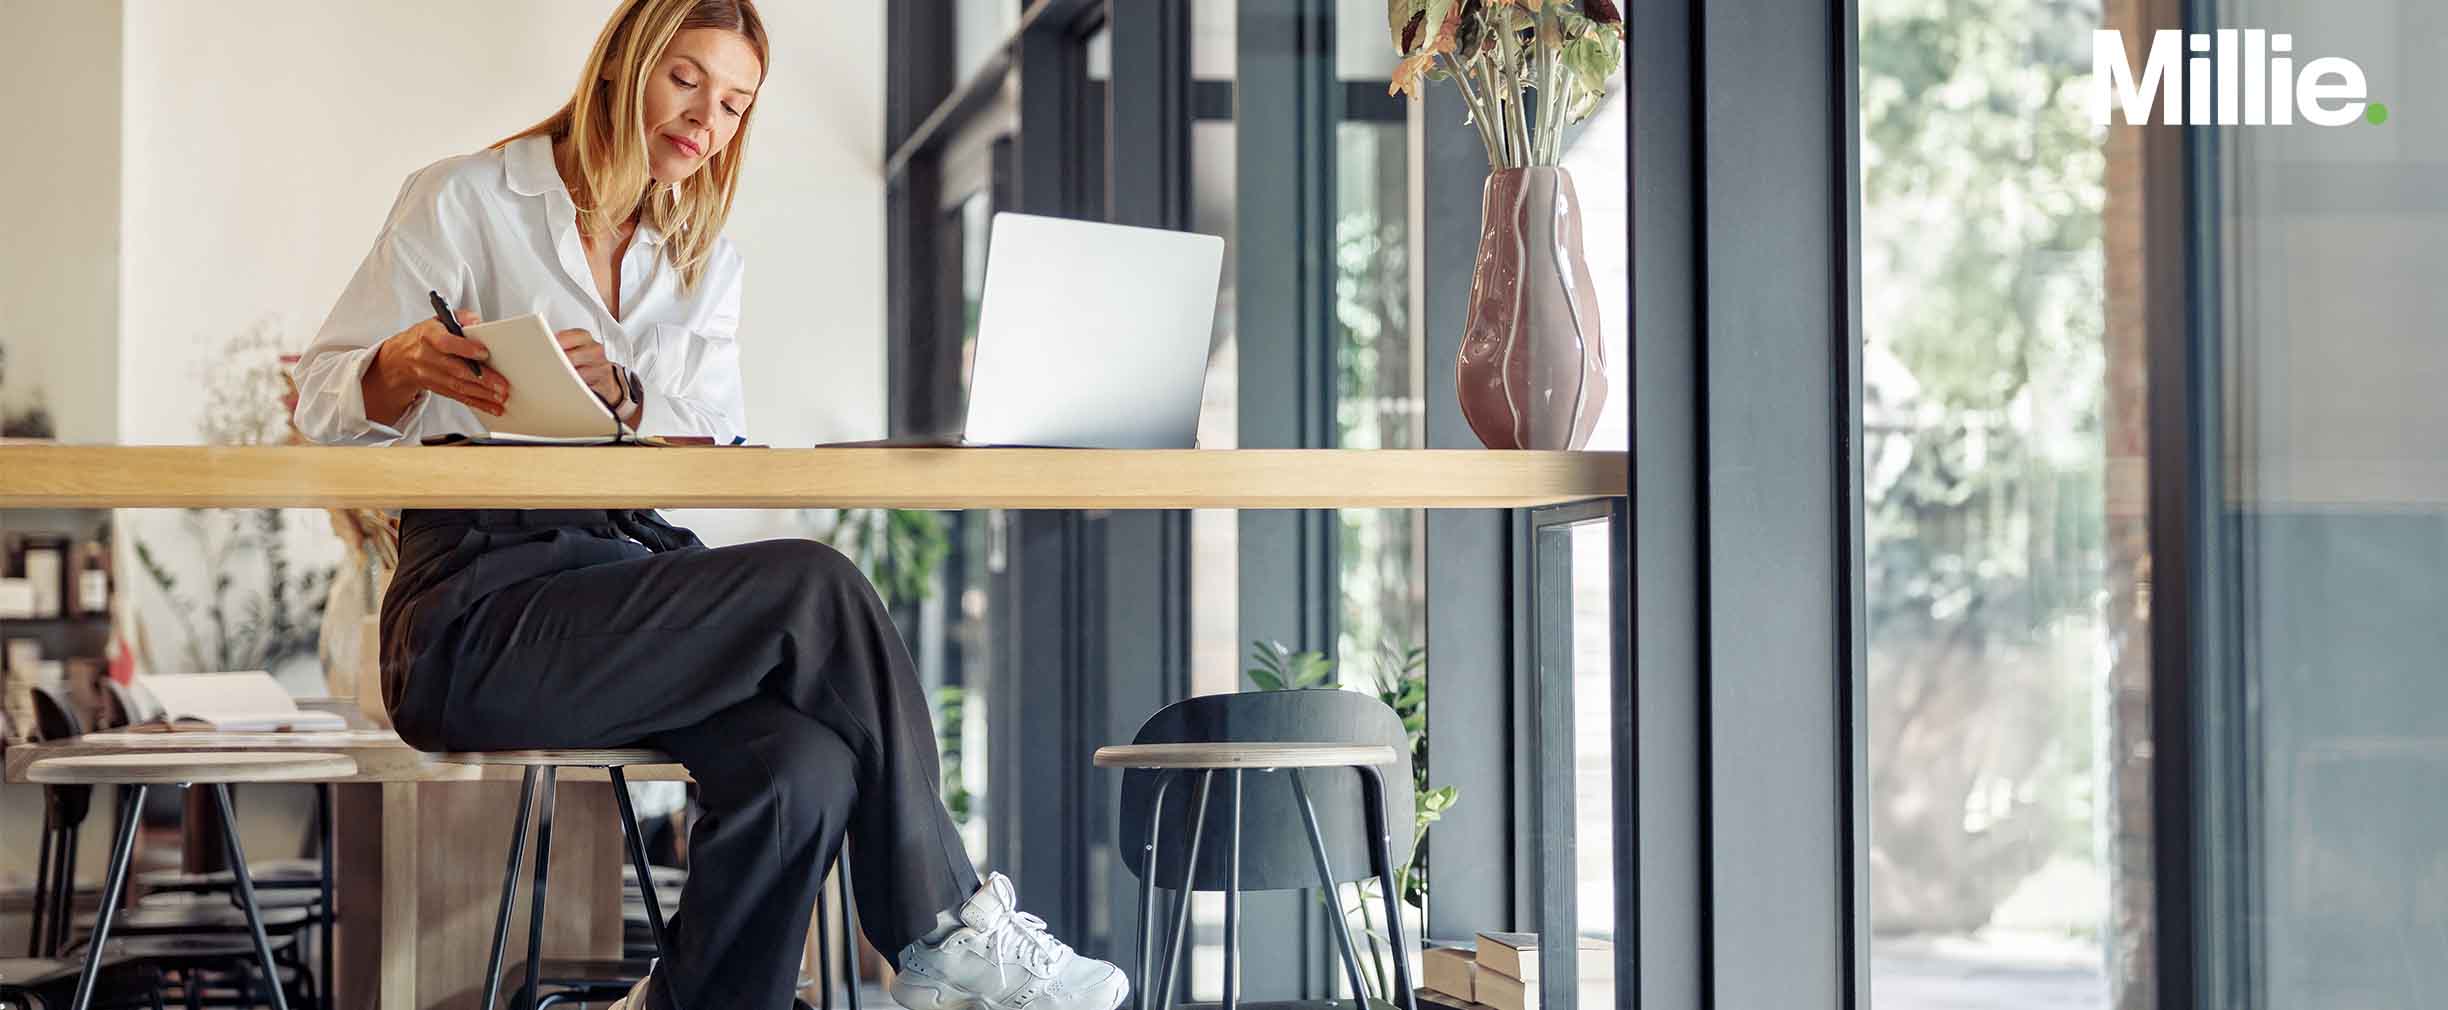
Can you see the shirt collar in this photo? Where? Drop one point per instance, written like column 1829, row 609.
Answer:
column 527, row 165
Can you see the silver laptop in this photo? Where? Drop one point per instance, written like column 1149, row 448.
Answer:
column 1090, row 336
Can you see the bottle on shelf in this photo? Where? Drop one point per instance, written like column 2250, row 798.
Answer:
column 92, row 597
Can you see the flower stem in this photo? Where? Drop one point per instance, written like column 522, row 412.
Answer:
column 1478, row 107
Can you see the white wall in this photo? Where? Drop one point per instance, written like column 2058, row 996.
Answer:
column 59, row 274
column 265, row 140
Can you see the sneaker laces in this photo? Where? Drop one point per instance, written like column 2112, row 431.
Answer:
column 1022, row 938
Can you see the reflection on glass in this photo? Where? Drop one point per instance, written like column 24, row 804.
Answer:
column 1593, row 729
column 2332, row 707
column 2007, row 722
column 978, row 27
column 1377, row 395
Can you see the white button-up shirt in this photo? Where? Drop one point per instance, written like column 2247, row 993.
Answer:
column 497, row 233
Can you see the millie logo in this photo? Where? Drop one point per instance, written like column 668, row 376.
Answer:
column 2248, row 78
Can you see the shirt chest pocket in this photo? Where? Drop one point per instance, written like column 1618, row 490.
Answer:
column 682, row 361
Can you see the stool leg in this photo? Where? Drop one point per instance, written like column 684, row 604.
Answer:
column 122, row 849
column 543, row 868
column 1147, row 893
column 824, row 946
column 509, row 890
column 1232, row 904
column 637, row 858
column 38, row 932
column 246, row 897
column 327, row 979
column 63, row 894
column 1334, row 894
column 1181, row 918
column 850, row 933
column 1381, row 851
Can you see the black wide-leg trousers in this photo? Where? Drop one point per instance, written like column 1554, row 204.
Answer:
column 771, row 670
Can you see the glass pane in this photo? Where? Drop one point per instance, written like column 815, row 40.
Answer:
column 2008, row 687
column 1377, row 406
column 2329, row 263
column 978, row 27
column 1593, row 730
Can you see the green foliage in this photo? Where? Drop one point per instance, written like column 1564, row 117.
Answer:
column 951, row 708
column 225, row 626
column 1401, row 682
column 1277, row 668
column 899, row 549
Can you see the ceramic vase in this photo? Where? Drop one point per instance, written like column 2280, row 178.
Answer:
column 1532, row 374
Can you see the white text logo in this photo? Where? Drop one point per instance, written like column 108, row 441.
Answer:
column 2231, row 77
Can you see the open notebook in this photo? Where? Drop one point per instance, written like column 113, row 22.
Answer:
column 549, row 403
column 247, row 702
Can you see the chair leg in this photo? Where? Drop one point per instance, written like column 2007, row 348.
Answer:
column 1181, row 916
column 326, row 980
column 850, row 931
column 1334, row 894
column 509, row 890
column 1232, row 903
column 122, row 849
column 246, row 898
column 543, row 870
column 1381, row 852
column 1147, row 894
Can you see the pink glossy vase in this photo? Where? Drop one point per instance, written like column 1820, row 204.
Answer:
column 1532, row 373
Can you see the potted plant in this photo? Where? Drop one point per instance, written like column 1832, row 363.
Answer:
column 1532, row 373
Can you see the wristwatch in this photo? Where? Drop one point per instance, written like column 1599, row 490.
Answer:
column 632, row 390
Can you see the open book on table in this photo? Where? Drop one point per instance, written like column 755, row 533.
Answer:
column 246, row 702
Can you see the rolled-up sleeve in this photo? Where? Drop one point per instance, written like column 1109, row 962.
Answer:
column 387, row 295
column 692, row 374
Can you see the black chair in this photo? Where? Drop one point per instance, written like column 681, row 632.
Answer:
column 1348, row 770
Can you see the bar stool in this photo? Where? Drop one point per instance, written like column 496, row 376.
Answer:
column 176, row 768
column 544, row 766
column 1348, row 763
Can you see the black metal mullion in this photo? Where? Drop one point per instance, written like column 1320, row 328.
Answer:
column 1147, row 598
column 1781, row 491
column 1287, row 106
column 1469, row 556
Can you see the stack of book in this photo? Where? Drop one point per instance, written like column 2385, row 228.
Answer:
column 1503, row 973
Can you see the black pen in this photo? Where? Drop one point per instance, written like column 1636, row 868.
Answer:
column 450, row 321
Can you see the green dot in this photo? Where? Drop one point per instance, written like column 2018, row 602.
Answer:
column 2375, row 114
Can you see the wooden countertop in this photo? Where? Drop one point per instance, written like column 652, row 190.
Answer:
column 56, row 476
column 380, row 755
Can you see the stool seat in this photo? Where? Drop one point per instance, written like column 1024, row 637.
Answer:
column 211, row 917
column 603, row 757
column 269, row 874
column 266, row 898
column 1244, row 755
column 183, row 767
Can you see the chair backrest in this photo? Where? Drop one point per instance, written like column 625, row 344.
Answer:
column 1275, row 851
column 54, row 718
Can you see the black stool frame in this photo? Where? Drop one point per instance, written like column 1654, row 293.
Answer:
column 1152, row 996
column 123, row 850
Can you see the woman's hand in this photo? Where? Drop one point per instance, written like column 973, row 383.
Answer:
column 428, row 358
column 600, row 374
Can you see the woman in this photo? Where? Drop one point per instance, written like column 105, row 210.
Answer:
column 770, row 669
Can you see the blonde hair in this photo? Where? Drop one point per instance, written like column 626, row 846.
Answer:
column 604, row 130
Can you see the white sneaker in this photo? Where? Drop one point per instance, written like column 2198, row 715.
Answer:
column 996, row 957
column 636, row 1000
